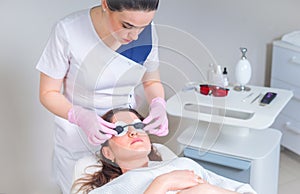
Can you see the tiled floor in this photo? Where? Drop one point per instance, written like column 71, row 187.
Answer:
column 289, row 173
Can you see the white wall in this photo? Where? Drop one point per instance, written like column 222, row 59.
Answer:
column 222, row 26
column 225, row 26
column 26, row 127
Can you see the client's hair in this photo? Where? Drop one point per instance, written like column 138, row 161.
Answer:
column 108, row 169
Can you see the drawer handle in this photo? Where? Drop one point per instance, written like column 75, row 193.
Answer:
column 295, row 60
column 290, row 128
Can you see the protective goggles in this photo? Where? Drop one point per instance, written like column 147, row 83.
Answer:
column 216, row 91
column 122, row 127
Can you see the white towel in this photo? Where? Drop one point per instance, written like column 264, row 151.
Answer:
column 137, row 181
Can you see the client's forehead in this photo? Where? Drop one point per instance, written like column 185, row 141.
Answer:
column 124, row 116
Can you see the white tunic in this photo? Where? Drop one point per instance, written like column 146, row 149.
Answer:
column 137, row 181
column 95, row 77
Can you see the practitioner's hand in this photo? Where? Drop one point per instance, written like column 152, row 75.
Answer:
column 157, row 121
column 96, row 129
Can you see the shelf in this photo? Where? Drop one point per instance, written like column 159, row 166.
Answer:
column 233, row 111
column 254, row 146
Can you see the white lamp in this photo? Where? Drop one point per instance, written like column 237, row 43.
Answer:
column 243, row 72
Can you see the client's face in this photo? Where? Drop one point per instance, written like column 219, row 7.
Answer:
column 135, row 143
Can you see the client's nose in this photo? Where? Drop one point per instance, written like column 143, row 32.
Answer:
column 132, row 133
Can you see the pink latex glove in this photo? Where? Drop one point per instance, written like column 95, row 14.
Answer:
column 157, row 121
column 96, row 129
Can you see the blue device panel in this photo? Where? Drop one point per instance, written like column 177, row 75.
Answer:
column 230, row 167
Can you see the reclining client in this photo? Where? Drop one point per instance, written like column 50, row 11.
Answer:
column 126, row 164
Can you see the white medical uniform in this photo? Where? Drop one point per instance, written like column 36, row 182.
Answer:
column 131, row 181
column 95, row 77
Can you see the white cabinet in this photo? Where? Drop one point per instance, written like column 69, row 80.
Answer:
column 286, row 75
column 232, row 137
column 251, row 159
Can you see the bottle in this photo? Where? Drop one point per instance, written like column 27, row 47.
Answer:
column 225, row 77
column 218, row 77
column 210, row 74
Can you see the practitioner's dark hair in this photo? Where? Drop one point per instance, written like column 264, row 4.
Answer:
column 136, row 5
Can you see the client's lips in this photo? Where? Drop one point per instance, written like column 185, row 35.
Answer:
column 136, row 140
